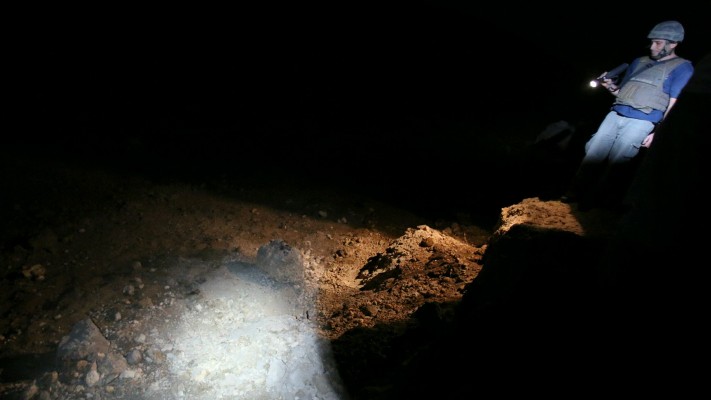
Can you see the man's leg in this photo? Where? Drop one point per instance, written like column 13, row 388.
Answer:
column 623, row 159
column 597, row 149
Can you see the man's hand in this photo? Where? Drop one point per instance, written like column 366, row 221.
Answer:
column 648, row 140
column 608, row 83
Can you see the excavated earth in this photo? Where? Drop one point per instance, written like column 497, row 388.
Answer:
column 118, row 286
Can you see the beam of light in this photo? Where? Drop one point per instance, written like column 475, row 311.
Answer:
column 247, row 336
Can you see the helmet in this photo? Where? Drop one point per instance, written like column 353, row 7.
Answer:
column 669, row 30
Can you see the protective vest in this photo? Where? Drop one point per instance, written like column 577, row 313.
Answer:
column 644, row 89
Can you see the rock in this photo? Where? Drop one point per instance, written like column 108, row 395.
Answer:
column 281, row 262
column 84, row 341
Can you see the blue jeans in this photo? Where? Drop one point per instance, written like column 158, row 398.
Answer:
column 606, row 167
column 617, row 140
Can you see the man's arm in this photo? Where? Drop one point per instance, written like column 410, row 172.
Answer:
column 672, row 101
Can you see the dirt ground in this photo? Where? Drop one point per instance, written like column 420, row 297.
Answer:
column 126, row 251
column 131, row 258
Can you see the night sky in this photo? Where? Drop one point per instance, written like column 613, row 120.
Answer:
column 358, row 81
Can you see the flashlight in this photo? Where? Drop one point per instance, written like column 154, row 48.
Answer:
column 610, row 75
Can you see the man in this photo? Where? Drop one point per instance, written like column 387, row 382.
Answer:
column 644, row 97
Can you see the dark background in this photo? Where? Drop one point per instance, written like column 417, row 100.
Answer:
column 355, row 91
